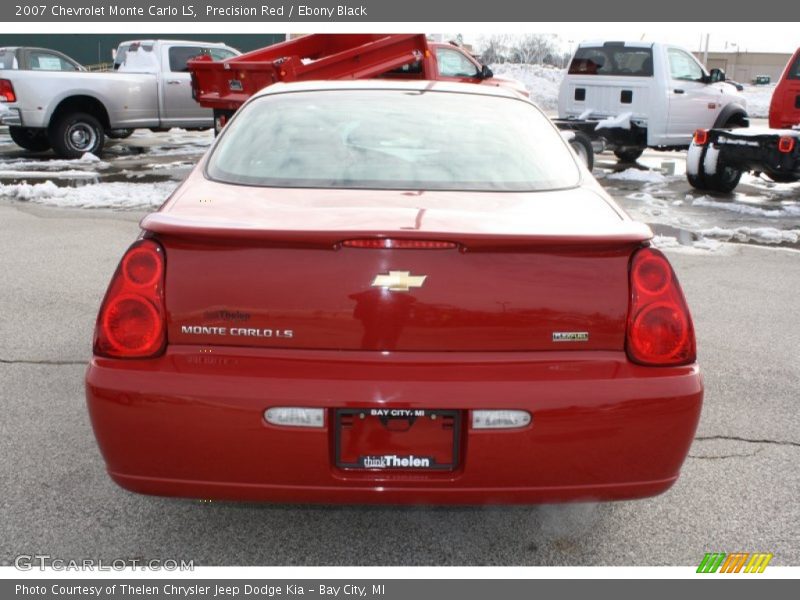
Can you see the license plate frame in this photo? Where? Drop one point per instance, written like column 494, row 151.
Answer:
column 449, row 420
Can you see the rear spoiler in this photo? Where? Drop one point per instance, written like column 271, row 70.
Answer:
column 626, row 232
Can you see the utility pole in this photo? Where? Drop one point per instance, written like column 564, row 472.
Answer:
column 705, row 52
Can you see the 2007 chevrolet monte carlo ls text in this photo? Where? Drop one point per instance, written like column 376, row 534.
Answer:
column 393, row 292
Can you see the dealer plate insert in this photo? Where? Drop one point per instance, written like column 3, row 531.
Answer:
column 380, row 439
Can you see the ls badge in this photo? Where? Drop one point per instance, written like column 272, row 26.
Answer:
column 398, row 281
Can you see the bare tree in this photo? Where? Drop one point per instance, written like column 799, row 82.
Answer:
column 533, row 48
column 495, row 48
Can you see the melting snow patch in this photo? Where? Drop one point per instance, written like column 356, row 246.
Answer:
column 638, row 175
column 100, row 195
column 89, row 157
column 665, row 241
column 747, row 209
column 764, row 235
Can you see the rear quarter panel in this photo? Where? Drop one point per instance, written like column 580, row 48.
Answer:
column 129, row 99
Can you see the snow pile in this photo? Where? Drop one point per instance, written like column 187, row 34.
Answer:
column 764, row 235
column 668, row 242
column 101, row 195
column 52, row 164
column 542, row 81
column 785, row 210
column 622, row 121
column 643, row 176
column 758, row 98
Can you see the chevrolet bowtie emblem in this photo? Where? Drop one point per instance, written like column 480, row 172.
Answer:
column 398, row 281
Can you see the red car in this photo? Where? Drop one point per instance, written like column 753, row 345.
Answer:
column 784, row 109
column 393, row 292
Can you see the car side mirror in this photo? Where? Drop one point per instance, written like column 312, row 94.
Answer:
column 486, row 72
column 716, row 76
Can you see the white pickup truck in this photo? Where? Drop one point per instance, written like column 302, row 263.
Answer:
column 72, row 111
column 628, row 96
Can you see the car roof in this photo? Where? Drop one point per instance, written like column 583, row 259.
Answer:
column 415, row 85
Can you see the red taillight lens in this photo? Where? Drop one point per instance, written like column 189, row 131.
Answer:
column 660, row 330
column 398, row 244
column 701, row 137
column 785, row 144
column 7, row 91
column 131, row 323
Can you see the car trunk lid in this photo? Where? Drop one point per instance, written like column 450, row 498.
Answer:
column 269, row 268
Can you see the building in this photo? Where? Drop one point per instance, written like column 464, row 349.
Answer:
column 744, row 67
column 90, row 49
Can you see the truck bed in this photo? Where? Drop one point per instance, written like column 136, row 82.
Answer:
column 228, row 84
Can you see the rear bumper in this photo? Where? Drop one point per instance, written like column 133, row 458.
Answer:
column 10, row 116
column 191, row 424
column 757, row 150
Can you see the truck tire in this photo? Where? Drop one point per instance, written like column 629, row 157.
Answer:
column 29, row 138
column 74, row 134
column 221, row 118
column 723, row 180
column 628, row 154
column 582, row 145
column 119, row 134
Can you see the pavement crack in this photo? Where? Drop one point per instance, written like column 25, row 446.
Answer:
column 24, row 361
column 724, row 456
column 734, row 438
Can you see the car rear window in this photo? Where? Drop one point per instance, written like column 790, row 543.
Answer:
column 393, row 139
column 613, row 60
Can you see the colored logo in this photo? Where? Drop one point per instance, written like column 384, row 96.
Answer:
column 738, row 562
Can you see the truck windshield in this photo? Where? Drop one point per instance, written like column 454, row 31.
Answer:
column 794, row 70
column 393, row 139
column 613, row 60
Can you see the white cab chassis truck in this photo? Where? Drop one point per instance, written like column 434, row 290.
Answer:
column 628, row 96
column 72, row 111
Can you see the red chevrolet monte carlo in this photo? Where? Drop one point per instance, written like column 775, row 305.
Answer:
column 393, row 292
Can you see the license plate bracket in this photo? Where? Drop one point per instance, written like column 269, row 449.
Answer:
column 380, row 439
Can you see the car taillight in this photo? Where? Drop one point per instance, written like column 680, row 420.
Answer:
column 131, row 322
column 701, row 137
column 7, row 91
column 660, row 330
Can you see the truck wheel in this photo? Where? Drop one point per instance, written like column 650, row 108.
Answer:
column 628, row 154
column 221, row 118
column 582, row 145
column 119, row 134
column 29, row 138
column 73, row 135
column 724, row 179
column 698, row 181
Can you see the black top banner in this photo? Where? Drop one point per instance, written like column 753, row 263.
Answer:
column 436, row 11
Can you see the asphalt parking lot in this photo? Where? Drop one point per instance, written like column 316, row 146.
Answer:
column 738, row 491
